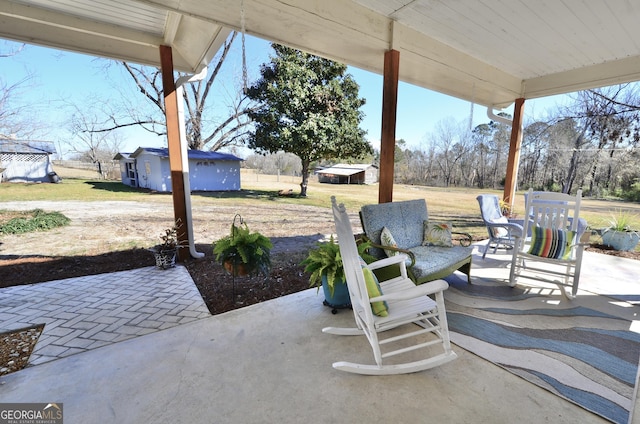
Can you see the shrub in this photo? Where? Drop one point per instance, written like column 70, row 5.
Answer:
column 553, row 186
column 35, row 220
column 631, row 194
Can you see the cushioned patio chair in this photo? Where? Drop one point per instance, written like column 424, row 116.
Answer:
column 433, row 254
column 419, row 322
column 501, row 231
column 553, row 253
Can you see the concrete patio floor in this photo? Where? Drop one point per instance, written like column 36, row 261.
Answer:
column 271, row 363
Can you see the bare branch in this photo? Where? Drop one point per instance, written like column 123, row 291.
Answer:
column 117, row 126
column 630, row 107
column 216, row 70
column 150, row 80
column 202, row 126
column 14, row 52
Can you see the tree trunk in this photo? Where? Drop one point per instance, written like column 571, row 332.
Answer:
column 305, row 178
column 481, row 172
column 573, row 164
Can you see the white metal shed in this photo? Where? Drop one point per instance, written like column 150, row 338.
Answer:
column 349, row 174
column 26, row 161
column 148, row 167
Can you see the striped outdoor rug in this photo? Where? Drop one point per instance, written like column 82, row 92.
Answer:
column 582, row 350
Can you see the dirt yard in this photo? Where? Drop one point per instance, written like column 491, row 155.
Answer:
column 100, row 227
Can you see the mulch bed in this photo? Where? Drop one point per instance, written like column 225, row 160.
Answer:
column 222, row 292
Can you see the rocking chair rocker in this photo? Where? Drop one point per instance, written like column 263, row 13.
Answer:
column 406, row 304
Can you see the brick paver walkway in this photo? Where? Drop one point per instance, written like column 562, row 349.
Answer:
column 88, row 312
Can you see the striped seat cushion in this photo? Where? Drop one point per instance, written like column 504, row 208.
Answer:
column 551, row 243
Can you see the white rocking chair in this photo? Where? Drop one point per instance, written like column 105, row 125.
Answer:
column 407, row 304
column 553, row 254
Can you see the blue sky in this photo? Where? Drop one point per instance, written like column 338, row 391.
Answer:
column 59, row 78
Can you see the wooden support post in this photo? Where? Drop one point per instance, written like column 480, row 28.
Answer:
column 388, row 136
column 513, row 161
column 175, row 153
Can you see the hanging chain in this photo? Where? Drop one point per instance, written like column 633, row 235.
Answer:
column 473, row 100
column 234, row 226
column 244, row 55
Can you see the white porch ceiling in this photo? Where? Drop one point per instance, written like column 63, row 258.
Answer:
column 119, row 29
column 487, row 51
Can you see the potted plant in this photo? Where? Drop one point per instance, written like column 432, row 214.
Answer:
column 324, row 263
column 165, row 253
column 620, row 234
column 505, row 209
column 243, row 252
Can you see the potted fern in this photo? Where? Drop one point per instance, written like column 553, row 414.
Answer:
column 244, row 252
column 620, row 234
column 324, row 263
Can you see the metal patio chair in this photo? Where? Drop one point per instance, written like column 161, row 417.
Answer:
column 501, row 231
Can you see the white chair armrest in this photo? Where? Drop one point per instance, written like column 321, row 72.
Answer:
column 414, row 292
column 392, row 260
column 514, row 229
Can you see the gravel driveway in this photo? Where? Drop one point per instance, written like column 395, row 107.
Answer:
column 98, row 227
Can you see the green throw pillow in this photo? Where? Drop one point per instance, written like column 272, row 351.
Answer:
column 437, row 234
column 550, row 243
column 386, row 239
column 373, row 288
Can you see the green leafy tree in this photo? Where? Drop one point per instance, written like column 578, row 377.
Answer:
column 307, row 106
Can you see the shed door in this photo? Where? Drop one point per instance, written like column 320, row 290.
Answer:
column 131, row 174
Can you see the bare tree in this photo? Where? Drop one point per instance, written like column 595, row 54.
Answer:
column 15, row 117
column 204, row 130
column 10, row 115
column 449, row 147
column 275, row 163
column 90, row 145
column 612, row 117
column 588, row 144
column 480, row 141
column 468, row 160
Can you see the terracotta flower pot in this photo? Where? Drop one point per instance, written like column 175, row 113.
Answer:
column 240, row 270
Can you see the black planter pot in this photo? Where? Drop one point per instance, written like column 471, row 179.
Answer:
column 165, row 258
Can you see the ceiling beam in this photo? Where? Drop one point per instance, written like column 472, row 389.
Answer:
column 600, row 75
column 171, row 27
